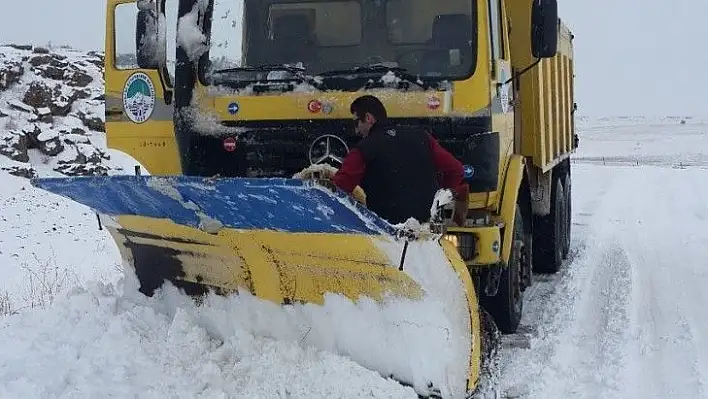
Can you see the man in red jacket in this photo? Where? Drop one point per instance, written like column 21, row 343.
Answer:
column 400, row 170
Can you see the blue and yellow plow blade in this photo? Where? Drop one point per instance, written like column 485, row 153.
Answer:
column 285, row 240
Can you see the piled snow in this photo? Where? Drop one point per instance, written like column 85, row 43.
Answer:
column 434, row 341
column 52, row 113
column 97, row 342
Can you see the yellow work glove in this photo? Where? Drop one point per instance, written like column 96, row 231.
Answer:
column 359, row 195
column 324, row 174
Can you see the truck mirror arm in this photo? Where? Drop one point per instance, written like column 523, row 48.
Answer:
column 523, row 71
column 162, row 71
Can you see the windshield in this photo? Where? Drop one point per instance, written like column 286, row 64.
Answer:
column 415, row 40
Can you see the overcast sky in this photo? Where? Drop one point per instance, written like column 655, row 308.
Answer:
column 633, row 57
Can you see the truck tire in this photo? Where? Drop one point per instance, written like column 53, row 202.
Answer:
column 568, row 214
column 550, row 232
column 506, row 307
column 490, row 365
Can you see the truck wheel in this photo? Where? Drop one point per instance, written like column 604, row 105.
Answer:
column 568, row 214
column 490, row 365
column 550, row 233
column 506, row 307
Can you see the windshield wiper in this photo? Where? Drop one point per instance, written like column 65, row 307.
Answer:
column 401, row 73
column 263, row 68
column 299, row 73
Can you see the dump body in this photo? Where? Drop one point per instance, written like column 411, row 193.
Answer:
column 545, row 131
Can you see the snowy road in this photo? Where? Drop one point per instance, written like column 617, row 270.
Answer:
column 626, row 318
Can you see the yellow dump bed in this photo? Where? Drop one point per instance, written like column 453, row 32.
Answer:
column 545, row 101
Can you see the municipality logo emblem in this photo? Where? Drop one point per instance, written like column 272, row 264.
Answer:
column 139, row 97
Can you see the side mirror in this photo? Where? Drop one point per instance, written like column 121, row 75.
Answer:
column 146, row 5
column 544, row 28
column 146, row 40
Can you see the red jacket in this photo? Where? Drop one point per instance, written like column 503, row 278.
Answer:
column 450, row 169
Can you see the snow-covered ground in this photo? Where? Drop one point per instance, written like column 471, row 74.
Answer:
column 47, row 246
column 662, row 141
column 624, row 318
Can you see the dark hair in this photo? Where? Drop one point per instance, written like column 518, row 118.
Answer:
column 370, row 104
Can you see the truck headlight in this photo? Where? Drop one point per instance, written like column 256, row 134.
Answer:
column 465, row 244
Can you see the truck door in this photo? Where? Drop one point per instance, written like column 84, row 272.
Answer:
column 138, row 97
column 501, row 92
column 501, row 60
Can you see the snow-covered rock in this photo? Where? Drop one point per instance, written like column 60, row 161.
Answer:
column 52, row 112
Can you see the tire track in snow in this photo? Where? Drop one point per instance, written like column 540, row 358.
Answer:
column 626, row 319
column 578, row 350
column 586, row 201
column 669, row 356
column 560, row 301
column 589, row 355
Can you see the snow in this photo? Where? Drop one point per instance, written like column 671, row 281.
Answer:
column 96, row 342
column 189, row 34
column 20, row 105
column 69, row 122
column 442, row 354
column 48, row 134
column 442, row 198
column 660, row 144
column 48, row 244
column 623, row 318
column 165, row 186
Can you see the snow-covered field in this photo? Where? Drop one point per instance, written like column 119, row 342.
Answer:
column 623, row 319
column 626, row 317
column 662, row 142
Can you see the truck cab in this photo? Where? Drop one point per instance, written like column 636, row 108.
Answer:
column 249, row 88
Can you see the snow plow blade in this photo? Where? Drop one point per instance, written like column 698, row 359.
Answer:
column 293, row 242
column 279, row 238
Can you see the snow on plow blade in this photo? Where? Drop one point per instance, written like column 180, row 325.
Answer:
column 290, row 242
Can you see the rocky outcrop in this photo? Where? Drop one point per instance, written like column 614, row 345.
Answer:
column 10, row 72
column 51, row 111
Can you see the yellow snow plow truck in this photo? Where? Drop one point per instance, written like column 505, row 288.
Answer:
column 236, row 109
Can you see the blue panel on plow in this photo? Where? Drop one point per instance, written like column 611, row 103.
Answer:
column 269, row 204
